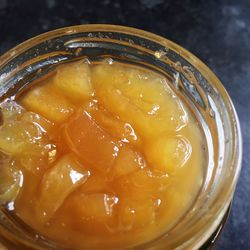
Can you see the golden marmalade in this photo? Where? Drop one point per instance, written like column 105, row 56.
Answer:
column 99, row 155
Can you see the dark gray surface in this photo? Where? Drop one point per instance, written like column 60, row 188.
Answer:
column 218, row 32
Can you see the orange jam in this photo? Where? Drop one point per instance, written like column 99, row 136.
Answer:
column 99, row 155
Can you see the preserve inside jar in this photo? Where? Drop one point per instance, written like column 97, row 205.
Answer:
column 138, row 135
column 99, row 155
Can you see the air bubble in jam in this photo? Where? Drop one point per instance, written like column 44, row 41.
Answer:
column 98, row 155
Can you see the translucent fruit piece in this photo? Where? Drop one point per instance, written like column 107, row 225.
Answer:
column 152, row 95
column 98, row 206
column 141, row 98
column 10, row 110
column 27, row 140
column 10, row 179
column 145, row 180
column 128, row 161
column 58, row 182
column 44, row 100
column 115, row 127
column 136, row 211
column 91, row 143
column 114, row 100
column 31, row 117
column 37, row 158
column 74, row 80
column 17, row 136
column 168, row 153
column 137, row 181
column 142, row 180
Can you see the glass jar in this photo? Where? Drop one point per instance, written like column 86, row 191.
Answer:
column 192, row 81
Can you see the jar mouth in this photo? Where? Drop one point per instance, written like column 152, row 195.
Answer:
column 137, row 46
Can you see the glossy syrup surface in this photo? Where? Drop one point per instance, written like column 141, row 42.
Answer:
column 99, row 155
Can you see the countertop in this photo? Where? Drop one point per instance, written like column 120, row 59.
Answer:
column 218, row 32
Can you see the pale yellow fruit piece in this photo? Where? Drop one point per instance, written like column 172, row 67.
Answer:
column 28, row 141
column 10, row 179
column 17, row 136
column 98, row 206
column 74, row 80
column 139, row 97
column 31, row 117
column 58, row 182
column 128, row 161
column 10, row 110
column 168, row 153
column 117, row 103
column 44, row 100
column 136, row 211
column 38, row 157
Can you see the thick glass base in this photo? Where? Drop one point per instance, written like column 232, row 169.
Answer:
column 210, row 243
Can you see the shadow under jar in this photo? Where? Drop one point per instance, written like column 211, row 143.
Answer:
column 191, row 81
